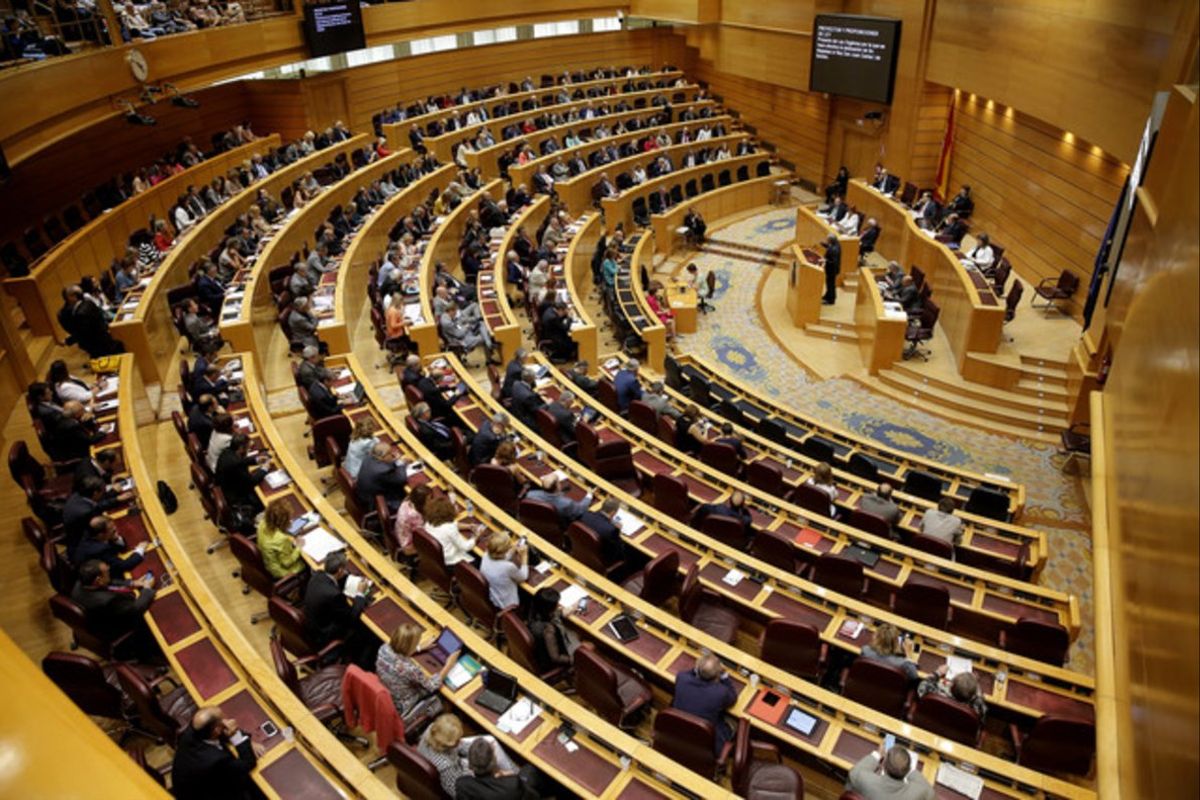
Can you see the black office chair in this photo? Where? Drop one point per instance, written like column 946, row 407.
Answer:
column 921, row 331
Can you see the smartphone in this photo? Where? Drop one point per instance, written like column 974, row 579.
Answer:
column 268, row 728
column 889, row 742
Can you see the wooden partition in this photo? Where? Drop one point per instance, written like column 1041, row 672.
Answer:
column 502, row 322
column 91, row 249
column 577, row 270
column 717, row 204
column 880, row 330
column 971, row 316
column 443, row 246
column 523, row 173
column 811, row 230
column 149, row 332
column 806, row 287
column 631, row 297
column 258, row 310
column 619, row 210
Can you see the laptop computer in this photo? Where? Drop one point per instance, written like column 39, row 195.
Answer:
column 360, row 393
column 499, row 691
column 447, row 644
column 589, row 415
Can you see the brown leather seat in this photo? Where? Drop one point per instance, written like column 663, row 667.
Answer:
column 923, row 602
column 703, row 609
column 320, row 690
column 756, row 778
column 658, row 581
column 688, row 740
column 165, row 715
column 416, row 778
column 521, row 647
column 587, row 549
column 614, row 692
column 795, row 647
column 947, row 718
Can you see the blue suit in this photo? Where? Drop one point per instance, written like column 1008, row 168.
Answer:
column 628, row 389
column 706, row 700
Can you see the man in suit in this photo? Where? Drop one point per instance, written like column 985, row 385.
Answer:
column 604, row 524
column 867, row 237
column 556, row 329
column 412, row 372
column 734, row 507
column 101, row 467
column 114, row 608
column 382, row 473
column 310, row 367
column 486, row 781
column 908, row 296
column 833, row 265
column 952, row 231
column 85, row 322
column 733, row 440
column 322, row 399
column 204, row 765
column 962, row 204
column 302, row 324
column 210, row 289
column 896, row 781
column 579, row 376
column 200, row 418
column 329, row 614
column 513, row 371
column 705, row 692
column 605, row 187
column 551, row 492
column 885, row 182
column 441, row 401
column 74, row 433
column 80, row 507
column 103, row 543
column 564, row 417
column 435, row 435
column 656, row 397
column 239, row 474
column 488, row 438
column 525, row 400
column 881, row 504
column 627, row 386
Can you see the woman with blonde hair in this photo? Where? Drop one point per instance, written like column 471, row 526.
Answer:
column 414, row 693
column 445, row 747
column 505, row 567
column 362, row 441
column 822, row 478
column 887, row 646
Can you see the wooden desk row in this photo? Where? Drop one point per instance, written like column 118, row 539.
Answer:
column 398, row 131
column 209, row 654
column 144, row 324
column 971, row 315
column 880, row 329
column 619, row 210
column 780, row 593
column 491, row 287
column 577, row 274
column 631, row 299
column 487, row 159
column 523, row 173
column 892, row 463
column 845, row 730
column 606, row 763
column 93, row 247
column 576, row 192
column 258, row 311
column 736, row 198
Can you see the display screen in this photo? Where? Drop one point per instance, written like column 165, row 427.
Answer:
column 334, row 28
column 854, row 56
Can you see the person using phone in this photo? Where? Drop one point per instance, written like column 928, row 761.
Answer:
column 889, row 774
column 205, row 766
column 505, row 566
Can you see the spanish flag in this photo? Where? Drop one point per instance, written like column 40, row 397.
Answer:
column 942, row 190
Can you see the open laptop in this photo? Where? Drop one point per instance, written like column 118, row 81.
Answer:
column 499, row 691
column 447, row 644
column 359, row 393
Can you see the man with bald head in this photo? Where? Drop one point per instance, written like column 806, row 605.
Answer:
column 74, row 433
column 705, row 691
column 214, row 759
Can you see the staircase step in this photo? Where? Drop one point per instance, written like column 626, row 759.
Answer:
column 1055, row 404
column 1039, row 361
column 1051, row 391
column 1041, row 421
column 836, row 331
column 992, row 426
column 1051, row 375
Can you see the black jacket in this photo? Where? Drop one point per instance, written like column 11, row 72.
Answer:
column 437, row 437
column 202, row 770
column 238, row 477
column 112, row 611
column 380, row 477
column 71, row 439
column 612, row 549
column 484, row 445
column 525, row 401
column 322, row 402
column 510, row 787
column 564, row 418
column 328, row 615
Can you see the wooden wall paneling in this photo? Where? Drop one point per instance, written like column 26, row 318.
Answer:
column 794, row 16
column 687, row 11
column 1090, row 68
column 325, row 101
column 1045, row 199
column 278, row 106
column 1152, row 468
column 932, row 116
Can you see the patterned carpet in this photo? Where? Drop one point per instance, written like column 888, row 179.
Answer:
column 733, row 338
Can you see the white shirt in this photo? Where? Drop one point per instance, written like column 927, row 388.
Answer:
column 982, row 256
column 70, row 390
column 455, row 547
column 848, row 224
column 218, row 443
column 182, row 218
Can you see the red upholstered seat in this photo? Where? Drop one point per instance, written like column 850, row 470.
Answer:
column 688, row 740
column 948, row 718
column 758, row 773
column 703, row 608
column 613, row 691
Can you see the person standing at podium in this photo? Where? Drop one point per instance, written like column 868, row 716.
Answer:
column 833, row 265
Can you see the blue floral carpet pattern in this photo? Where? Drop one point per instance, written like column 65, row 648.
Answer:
column 733, row 338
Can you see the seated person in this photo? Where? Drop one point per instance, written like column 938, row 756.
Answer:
column 732, row 439
column 898, row 780
column 554, row 644
column 552, row 492
column 952, row 230
column 962, row 204
column 239, row 474
column 441, row 522
column 213, row 758
column 103, row 543
column 734, row 507
column 848, row 224
column 414, row 692
column 867, row 237
column 488, row 438
column 445, row 747
column 963, row 687
column 362, row 442
column 822, row 478
column 626, row 384
column 434, row 434
column 565, row 419
column 487, row 781
column 73, row 433
column 505, row 566
column 940, row 522
column 706, row 691
column 604, row 524
column 579, row 376
column 981, row 256
column 696, row 227
column 887, row 646
column 382, row 474
column 112, row 609
column 881, row 504
column 281, row 552
column 328, row 615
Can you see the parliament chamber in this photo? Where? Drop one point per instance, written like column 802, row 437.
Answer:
column 640, row 399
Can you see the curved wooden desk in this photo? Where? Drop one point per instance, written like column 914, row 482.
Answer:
column 597, row 768
column 523, row 173
column 498, row 315
column 147, row 329
column 892, row 463
column 971, row 316
column 366, row 248
column 577, row 272
column 257, row 311
column 208, row 653
column 619, row 210
column 631, row 299
column 443, row 246
column 880, row 330
column 717, row 204
column 92, row 248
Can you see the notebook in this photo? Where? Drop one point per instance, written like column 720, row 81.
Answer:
column 868, row 558
column 768, row 705
column 319, row 543
column 807, row 537
column 960, row 781
column 463, row 671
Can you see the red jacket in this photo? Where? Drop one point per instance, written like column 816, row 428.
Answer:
column 368, row 705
